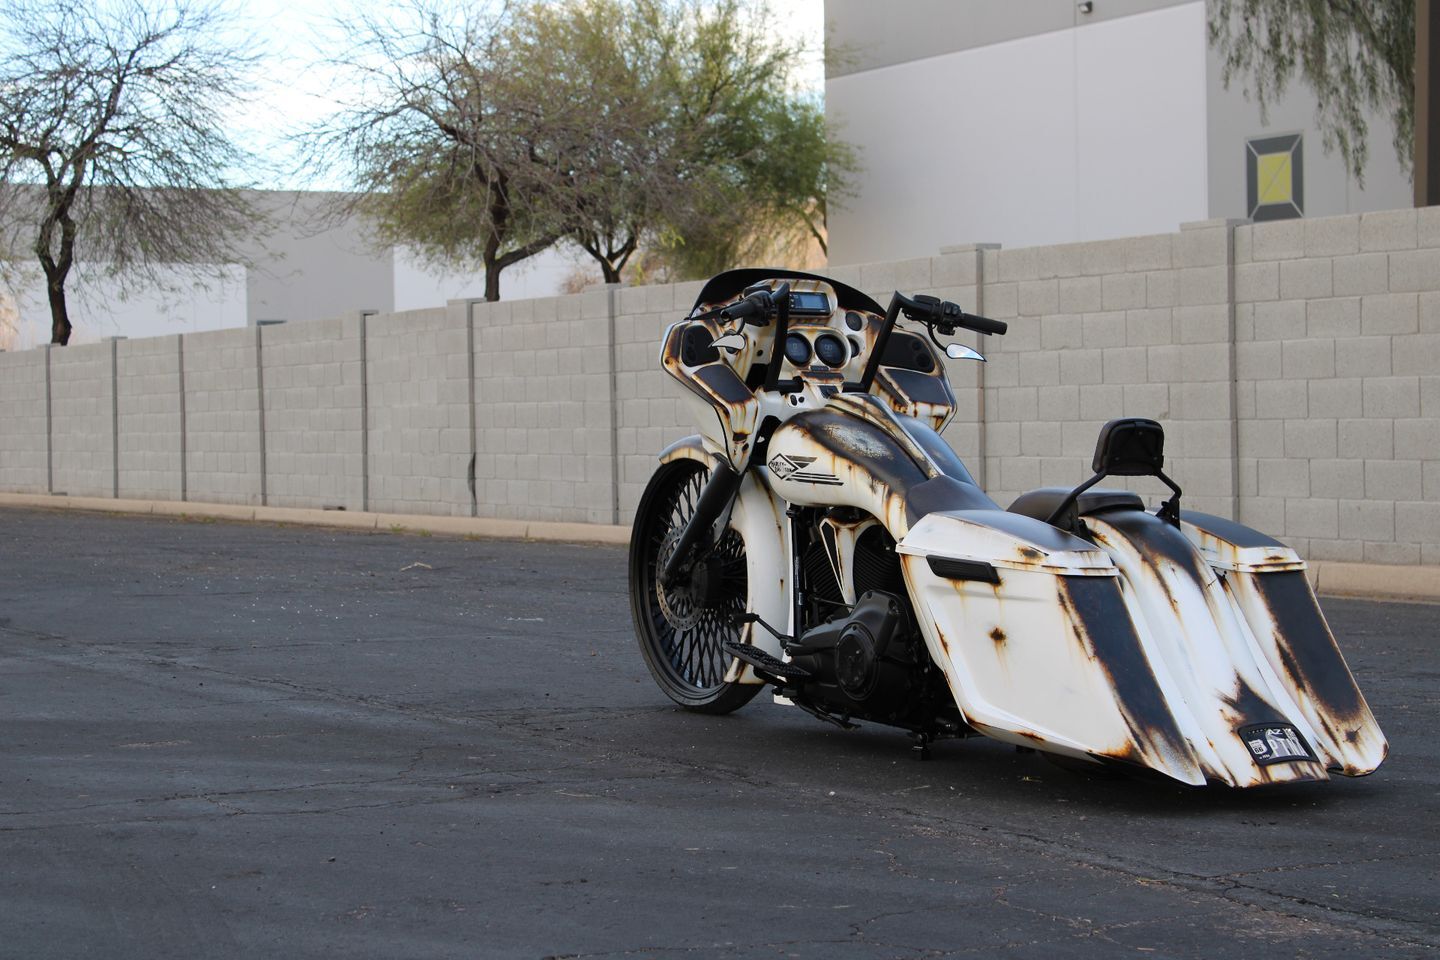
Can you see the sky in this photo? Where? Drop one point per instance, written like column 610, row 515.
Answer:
column 296, row 90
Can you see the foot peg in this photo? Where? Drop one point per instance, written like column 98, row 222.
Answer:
column 765, row 663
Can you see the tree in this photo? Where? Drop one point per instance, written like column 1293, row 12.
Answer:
column 613, row 165
column 440, row 138
column 686, row 132
column 766, row 193
column 1357, row 55
column 768, row 164
column 617, row 125
column 113, row 152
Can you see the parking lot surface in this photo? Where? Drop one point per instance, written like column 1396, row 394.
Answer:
column 228, row 740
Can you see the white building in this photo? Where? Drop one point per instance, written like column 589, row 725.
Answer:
column 310, row 264
column 1027, row 122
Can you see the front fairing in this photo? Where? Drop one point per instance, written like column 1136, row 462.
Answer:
column 727, row 390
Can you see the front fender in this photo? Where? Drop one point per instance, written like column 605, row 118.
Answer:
column 760, row 520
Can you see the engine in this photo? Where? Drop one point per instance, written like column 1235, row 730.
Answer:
column 864, row 664
column 866, row 661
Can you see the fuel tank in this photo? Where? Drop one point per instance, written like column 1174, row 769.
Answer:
column 856, row 452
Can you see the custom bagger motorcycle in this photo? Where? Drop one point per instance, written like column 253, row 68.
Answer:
column 819, row 537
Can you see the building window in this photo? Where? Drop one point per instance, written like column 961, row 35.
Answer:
column 1275, row 177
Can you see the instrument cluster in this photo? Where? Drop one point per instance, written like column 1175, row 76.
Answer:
column 814, row 349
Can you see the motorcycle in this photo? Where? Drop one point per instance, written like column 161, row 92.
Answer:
column 820, row 538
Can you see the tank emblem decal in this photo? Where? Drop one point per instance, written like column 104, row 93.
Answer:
column 793, row 468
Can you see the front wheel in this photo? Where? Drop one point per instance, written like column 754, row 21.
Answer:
column 683, row 629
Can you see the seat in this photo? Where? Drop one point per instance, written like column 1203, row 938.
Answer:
column 1042, row 503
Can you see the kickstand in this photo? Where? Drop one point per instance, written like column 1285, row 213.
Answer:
column 920, row 745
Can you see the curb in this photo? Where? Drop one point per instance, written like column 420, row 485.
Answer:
column 1336, row 578
column 1329, row 577
column 352, row 520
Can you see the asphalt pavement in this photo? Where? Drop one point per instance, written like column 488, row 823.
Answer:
column 248, row 740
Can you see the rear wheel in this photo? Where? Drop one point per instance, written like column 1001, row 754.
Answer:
column 682, row 629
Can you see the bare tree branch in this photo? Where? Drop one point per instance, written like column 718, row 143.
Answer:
column 113, row 150
column 432, row 139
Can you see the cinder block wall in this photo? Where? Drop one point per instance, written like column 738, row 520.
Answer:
column 24, row 423
column 1338, row 383
column 223, row 446
column 543, row 412
column 83, row 454
column 149, row 418
column 419, row 412
column 313, row 413
column 1136, row 327
column 1295, row 365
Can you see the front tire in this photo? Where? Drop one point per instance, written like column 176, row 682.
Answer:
column 682, row 631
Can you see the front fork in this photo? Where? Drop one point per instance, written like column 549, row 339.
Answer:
column 715, row 499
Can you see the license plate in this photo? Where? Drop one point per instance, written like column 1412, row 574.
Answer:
column 1275, row 743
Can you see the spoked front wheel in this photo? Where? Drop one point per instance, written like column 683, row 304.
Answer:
column 683, row 628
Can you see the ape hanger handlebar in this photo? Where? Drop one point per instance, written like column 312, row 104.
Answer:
column 938, row 316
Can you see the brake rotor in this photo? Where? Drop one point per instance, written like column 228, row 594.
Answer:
column 680, row 603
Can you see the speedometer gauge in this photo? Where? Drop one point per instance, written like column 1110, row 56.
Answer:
column 832, row 351
column 797, row 350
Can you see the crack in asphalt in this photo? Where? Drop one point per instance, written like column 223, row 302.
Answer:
column 1322, row 864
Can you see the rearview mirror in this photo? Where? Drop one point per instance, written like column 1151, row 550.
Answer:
column 734, row 342
column 957, row 351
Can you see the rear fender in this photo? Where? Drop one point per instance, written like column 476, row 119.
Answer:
column 1201, row 643
column 1266, row 585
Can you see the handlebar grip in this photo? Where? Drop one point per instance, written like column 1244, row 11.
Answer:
column 759, row 304
column 984, row 324
column 744, row 309
column 946, row 316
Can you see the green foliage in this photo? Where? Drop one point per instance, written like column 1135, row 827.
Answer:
column 594, row 65
column 761, row 163
column 1356, row 55
column 767, row 199
column 664, row 126
column 686, row 135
